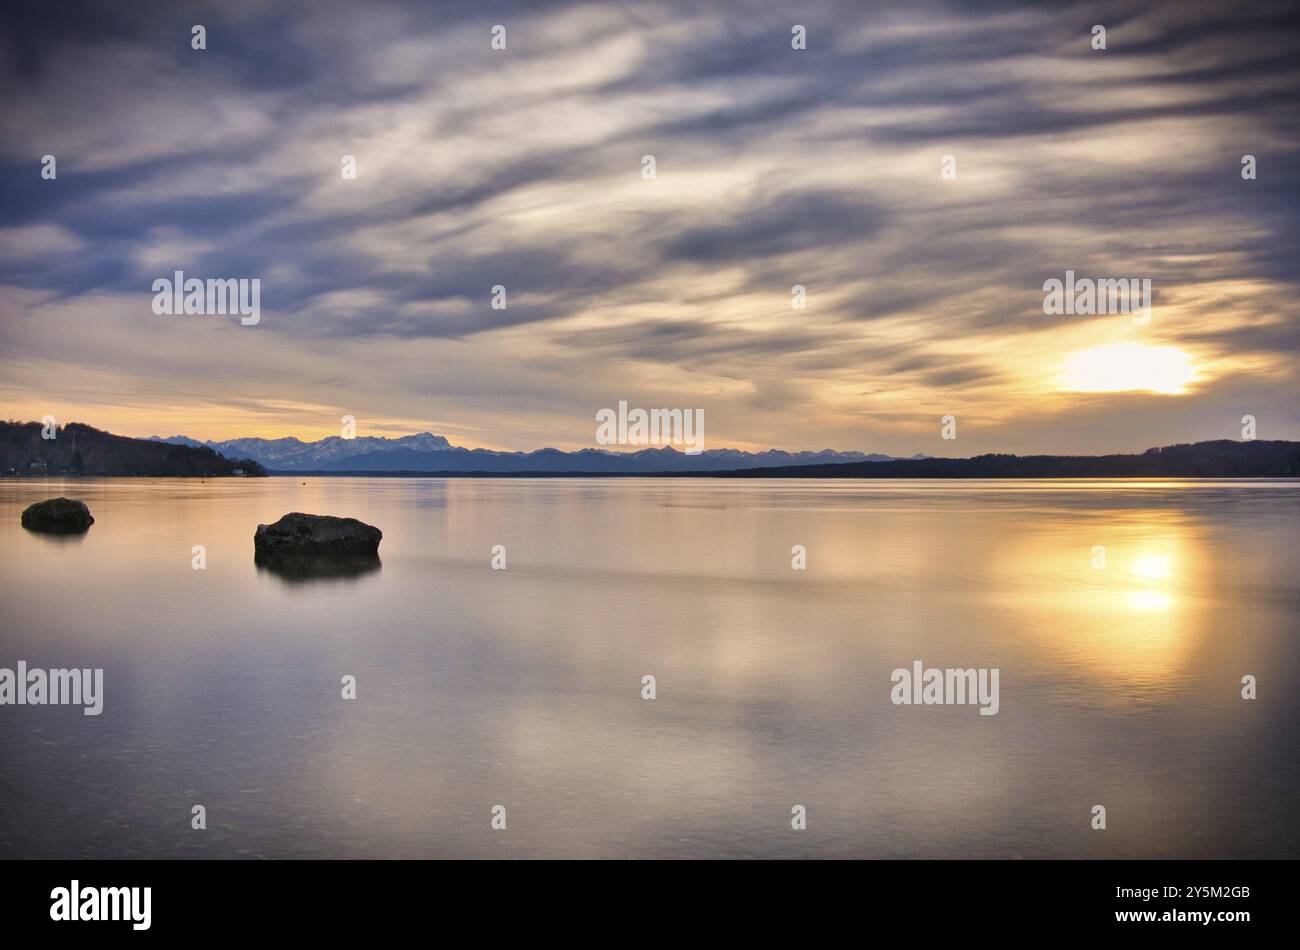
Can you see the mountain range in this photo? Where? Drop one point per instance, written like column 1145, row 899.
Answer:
column 427, row 452
column 27, row 449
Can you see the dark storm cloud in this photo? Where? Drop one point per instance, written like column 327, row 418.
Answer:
column 786, row 224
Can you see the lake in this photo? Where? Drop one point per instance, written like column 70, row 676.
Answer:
column 1120, row 670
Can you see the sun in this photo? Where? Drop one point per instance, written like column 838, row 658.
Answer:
column 1128, row 367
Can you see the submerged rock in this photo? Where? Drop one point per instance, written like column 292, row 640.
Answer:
column 300, row 534
column 58, row 514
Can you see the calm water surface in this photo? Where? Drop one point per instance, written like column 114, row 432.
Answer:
column 522, row 687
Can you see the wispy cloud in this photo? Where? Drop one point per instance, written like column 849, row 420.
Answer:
column 522, row 168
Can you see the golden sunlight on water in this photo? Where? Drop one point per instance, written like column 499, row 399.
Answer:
column 1126, row 611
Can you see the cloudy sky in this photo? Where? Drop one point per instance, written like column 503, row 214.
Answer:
column 773, row 167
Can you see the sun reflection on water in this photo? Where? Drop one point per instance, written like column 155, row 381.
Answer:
column 1153, row 565
column 1145, row 601
column 1132, row 622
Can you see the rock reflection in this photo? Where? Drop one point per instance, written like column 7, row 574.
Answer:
column 299, row 569
column 58, row 535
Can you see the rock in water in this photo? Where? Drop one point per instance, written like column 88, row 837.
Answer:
column 58, row 514
column 297, row 533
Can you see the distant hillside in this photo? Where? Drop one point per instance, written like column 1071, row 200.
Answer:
column 78, row 449
column 1220, row 459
